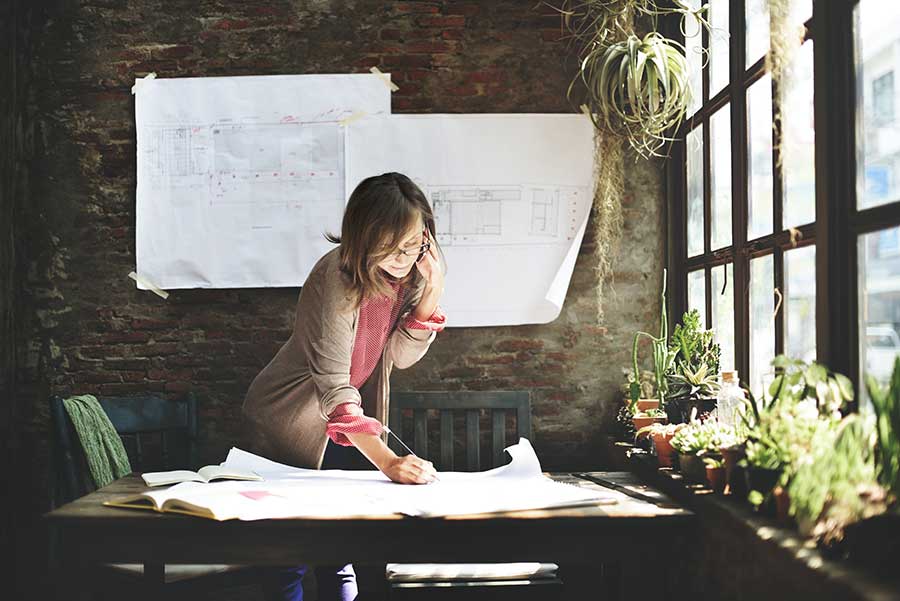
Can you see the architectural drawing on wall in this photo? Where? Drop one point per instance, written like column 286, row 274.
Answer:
column 510, row 195
column 240, row 177
column 503, row 215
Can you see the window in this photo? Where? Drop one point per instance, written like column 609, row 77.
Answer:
column 883, row 98
column 798, row 237
column 747, row 203
column 875, row 223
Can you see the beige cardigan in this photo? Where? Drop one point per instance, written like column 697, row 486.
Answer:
column 287, row 406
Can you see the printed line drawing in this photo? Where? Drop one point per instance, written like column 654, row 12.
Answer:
column 505, row 215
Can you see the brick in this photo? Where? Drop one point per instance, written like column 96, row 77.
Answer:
column 139, row 363
column 519, row 344
column 461, row 372
column 429, row 47
column 173, row 52
column 460, row 8
column 161, row 348
column 391, row 34
column 443, row 21
column 97, row 377
column 463, row 90
column 453, row 34
column 178, row 386
column 122, row 389
column 492, row 76
column 116, row 337
column 418, row 74
column 492, row 359
column 133, row 376
column 414, row 7
column 153, row 324
column 405, row 60
column 231, row 24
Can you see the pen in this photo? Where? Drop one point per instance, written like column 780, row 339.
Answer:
column 411, row 452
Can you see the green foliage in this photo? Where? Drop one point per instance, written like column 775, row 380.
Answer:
column 783, row 435
column 827, row 484
column 886, row 405
column 661, row 357
column 693, row 360
column 704, row 438
column 798, row 380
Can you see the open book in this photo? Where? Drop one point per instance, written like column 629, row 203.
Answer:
column 204, row 474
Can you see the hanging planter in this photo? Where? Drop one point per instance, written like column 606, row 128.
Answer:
column 638, row 88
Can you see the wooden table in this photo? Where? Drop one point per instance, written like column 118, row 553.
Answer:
column 579, row 539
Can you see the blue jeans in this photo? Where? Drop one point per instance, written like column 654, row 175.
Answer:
column 334, row 583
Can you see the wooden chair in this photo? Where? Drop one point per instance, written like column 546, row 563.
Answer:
column 471, row 581
column 158, row 434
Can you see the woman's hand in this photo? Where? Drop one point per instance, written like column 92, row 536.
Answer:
column 430, row 269
column 409, row 469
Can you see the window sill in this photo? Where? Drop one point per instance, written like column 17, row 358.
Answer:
column 787, row 556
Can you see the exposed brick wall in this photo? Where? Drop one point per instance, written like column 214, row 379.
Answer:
column 92, row 331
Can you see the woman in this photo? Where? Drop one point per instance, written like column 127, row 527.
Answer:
column 369, row 305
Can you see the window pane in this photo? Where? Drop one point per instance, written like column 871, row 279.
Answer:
column 718, row 47
column 800, row 303
column 762, row 324
column 878, row 138
column 693, row 43
column 697, row 293
column 879, row 302
column 694, row 152
column 723, row 312
column 720, row 175
column 801, row 11
column 757, row 30
column 798, row 141
column 759, row 157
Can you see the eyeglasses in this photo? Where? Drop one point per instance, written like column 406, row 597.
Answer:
column 404, row 256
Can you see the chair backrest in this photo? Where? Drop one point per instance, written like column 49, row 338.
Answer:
column 157, row 434
column 498, row 405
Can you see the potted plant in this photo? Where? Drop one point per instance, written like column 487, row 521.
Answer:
column 661, row 435
column 697, row 440
column 692, row 377
column 715, row 473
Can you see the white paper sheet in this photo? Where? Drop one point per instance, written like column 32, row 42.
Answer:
column 290, row 492
column 239, row 177
column 511, row 195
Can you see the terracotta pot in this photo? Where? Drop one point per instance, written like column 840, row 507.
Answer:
column 692, row 468
column 734, row 477
column 664, row 451
column 782, row 506
column 641, row 422
column 647, row 404
column 715, row 476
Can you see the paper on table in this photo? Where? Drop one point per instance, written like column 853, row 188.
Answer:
column 510, row 193
column 297, row 492
column 239, row 177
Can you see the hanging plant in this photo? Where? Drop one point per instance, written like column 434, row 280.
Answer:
column 634, row 90
column 638, row 89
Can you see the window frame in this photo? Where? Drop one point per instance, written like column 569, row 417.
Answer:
column 838, row 223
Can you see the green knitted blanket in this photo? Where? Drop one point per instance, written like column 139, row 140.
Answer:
column 103, row 449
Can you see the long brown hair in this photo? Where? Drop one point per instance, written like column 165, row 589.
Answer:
column 381, row 210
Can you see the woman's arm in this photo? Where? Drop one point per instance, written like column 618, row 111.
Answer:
column 408, row 469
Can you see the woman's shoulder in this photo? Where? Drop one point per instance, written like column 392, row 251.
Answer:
column 328, row 278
